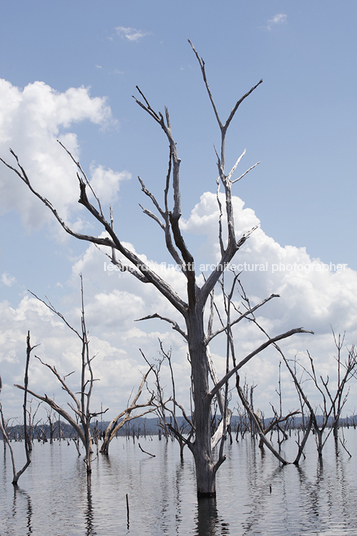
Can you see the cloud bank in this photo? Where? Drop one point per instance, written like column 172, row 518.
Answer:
column 313, row 293
column 31, row 120
column 313, row 298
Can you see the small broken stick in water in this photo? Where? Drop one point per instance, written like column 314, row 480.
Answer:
column 140, row 447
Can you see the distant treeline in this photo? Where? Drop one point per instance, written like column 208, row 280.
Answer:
column 142, row 427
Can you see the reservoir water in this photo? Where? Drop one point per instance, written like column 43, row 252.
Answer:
column 133, row 493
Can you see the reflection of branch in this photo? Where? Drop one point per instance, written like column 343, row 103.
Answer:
column 7, row 440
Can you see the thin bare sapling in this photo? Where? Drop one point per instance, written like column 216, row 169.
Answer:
column 27, row 440
column 82, row 415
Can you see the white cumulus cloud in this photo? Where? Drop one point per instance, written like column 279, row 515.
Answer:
column 313, row 294
column 7, row 279
column 106, row 183
column 279, row 18
column 130, row 33
column 31, row 121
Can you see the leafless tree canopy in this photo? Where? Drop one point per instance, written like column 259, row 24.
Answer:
column 191, row 306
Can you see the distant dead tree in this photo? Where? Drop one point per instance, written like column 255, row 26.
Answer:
column 345, row 372
column 275, row 422
column 245, row 392
column 167, row 406
column 27, row 440
column 52, row 423
column 192, row 305
column 332, row 400
column 33, row 421
column 244, row 420
column 332, row 403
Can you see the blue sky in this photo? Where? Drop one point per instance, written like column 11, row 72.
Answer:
column 300, row 123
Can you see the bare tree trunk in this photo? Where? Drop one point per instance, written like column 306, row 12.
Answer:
column 27, row 441
column 201, row 447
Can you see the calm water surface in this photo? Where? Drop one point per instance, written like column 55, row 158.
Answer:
column 254, row 494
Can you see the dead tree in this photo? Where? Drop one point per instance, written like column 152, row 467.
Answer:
column 331, row 403
column 187, row 427
column 33, row 423
column 51, row 423
column 80, row 406
column 126, row 415
column 345, row 371
column 274, row 423
column 191, row 306
column 166, row 406
column 244, row 420
column 27, row 440
column 255, row 422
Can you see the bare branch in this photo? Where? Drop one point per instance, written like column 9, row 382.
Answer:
column 254, row 353
column 49, row 306
column 175, row 325
column 23, row 176
column 239, row 102
column 145, row 452
column 84, row 176
column 242, row 316
column 245, row 173
column 203, row 70
column 58, row 409
column 61, row 380
column 258, row 425
column 229, row 176
column 125, row 416
column 112, row 242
